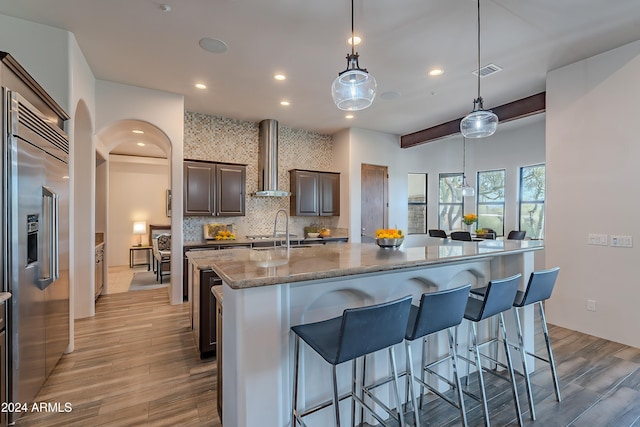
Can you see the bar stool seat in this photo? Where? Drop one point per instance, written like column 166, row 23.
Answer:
column 498, row 298
column 357, row 333
column 438, row 311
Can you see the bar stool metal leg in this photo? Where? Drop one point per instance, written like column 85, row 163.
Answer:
column 354, row 387
column 456, row 378
column 514, row 386
column 336, row 401
column 392, row 357
column 483, row 393
column 416, row 417
column 525, row 368
column 294, row 400
column 547, row 341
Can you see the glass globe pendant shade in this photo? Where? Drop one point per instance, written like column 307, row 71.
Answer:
column 354, row 89
column 467, row 190
column 479, row 124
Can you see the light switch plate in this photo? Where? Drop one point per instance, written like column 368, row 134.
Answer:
column 598, row 239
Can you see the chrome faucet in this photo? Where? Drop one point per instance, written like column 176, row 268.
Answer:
column 275, row 226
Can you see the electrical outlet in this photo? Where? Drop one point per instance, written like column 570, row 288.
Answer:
column 622, row 241
column 591, row 305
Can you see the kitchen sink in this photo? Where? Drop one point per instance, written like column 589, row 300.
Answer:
column 269, row 257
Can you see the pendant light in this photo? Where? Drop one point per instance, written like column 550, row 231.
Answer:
column 480, row 123
column 467, row 190
column 354, row 88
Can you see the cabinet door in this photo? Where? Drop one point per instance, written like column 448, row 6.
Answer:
column 230, row 183
column 199, row 189
column 329, row 193
column 304, row 186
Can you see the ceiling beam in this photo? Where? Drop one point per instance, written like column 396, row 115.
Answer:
column 524, row 107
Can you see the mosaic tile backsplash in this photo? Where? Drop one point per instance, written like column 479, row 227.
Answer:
column 221, row 139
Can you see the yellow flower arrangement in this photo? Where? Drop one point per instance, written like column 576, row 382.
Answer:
column 470, row 218
column 389, row 233
column 225, row 235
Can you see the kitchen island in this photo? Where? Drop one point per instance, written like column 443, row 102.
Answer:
column 265, row 295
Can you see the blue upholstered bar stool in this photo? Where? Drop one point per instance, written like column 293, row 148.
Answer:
column 358, row 332
column 437, row 311
column 498, row 298
column 539, row 289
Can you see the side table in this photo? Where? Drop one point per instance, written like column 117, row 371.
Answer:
column 146, row 249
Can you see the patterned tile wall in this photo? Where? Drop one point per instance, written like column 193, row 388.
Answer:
column 222, row 139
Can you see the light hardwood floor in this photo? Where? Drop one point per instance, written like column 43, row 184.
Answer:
column 134, row 364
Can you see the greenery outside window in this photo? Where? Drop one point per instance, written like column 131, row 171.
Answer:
column 532, row 198
column 450, row 202
column 417, row 209
column 491, row 200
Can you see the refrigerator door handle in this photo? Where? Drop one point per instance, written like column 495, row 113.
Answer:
column 50, row 207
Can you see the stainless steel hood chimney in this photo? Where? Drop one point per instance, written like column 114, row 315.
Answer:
column 268, row 160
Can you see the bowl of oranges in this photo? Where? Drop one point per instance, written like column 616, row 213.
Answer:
column 389, row 237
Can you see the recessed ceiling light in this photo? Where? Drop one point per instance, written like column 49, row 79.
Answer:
column 138, row 131
column 280, row 77
column 356, row 41
column 140, row 144
column 436, row 72
column 213, row 45
column 285, row 103
column 201, row 85
column 165, row 8
column 349, row 116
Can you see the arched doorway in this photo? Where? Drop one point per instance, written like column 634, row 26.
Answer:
column 134, row 182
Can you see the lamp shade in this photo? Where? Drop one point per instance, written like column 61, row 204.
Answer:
column 140, row 227
column 479, row 124
column 354, row 90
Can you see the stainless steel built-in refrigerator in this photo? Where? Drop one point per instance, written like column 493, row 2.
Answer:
column 35, row 195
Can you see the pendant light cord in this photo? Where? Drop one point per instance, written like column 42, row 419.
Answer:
column 478, row 48
column 464, row 159
column 353, row 31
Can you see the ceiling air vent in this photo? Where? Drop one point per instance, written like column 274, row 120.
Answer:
column 487, row 70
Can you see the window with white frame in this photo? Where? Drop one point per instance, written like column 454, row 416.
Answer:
column 490, row 206
column 532, row 197
column 450, row 201
column 417, row 209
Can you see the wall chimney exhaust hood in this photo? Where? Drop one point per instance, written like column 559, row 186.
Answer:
column 268, row 160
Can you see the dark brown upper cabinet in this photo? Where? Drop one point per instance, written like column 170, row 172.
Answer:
column 314, row 193
column 230, row 188
column 214, row 189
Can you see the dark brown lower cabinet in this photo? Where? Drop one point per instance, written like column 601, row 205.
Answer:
column 204, row 312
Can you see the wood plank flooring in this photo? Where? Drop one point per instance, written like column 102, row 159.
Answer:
column 135, row 364
column 599, row 386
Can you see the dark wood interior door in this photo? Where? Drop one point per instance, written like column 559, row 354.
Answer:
column 374, row 200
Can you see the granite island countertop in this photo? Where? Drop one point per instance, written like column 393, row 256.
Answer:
column 239, row 270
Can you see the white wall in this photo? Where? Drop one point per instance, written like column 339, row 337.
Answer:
column 115, row 102
column 512, row 146
column 341, row 163
column 43, row 51
column 137, row 189
column 592, row 181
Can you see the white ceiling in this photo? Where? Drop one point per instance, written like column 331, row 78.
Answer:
column 136, row 43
